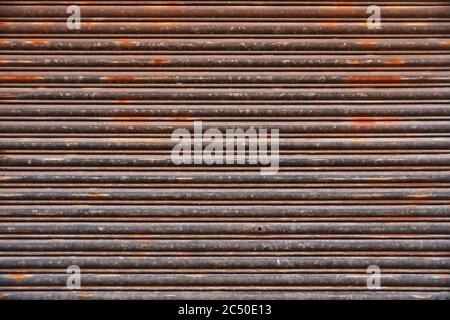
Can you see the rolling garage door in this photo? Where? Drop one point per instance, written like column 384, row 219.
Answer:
column 86, row 117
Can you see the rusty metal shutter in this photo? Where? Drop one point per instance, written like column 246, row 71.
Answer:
column 86, row 177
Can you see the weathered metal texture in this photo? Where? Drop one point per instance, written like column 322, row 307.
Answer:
column 86, row 176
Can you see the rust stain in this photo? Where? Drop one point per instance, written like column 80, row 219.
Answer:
column 125, row 41
column 158, row 61
column 2, row 42
column 156, row 24
column 369, row 120
column 86, row 295
column 97, row 195
column 122, row 99
column 445, row 43
column 345, row 6
column 418, row 195
column 394, row 61
column 363, row 121
column 3, row 24
column 181, row 118
column 328, row 24
column 130, row 118
column 37, row 41
column 367, row 42
column 353, row 61
column 20, row 78
column 18, row 276
column 87, row 24
column 374, row 78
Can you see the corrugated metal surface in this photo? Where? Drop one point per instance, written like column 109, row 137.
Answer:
column 86, row 175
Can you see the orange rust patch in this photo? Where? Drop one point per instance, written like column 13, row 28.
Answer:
column 96, row 194
column 125, row 41
column 18, row 276
column 445, row 43
column 122, row 99
column 394, row 61
column 181, row 118
column 374, row 78
column 5, row 23
column 2, row 42
column 37, row 41
column 345, row 5
column 363, row 121
column 353, row 61
column 19, row 78
column 158, row 61
column 161, row 23
column 369, row 120
column 367, row 42
column 86, row 295
column 87, row 24
column 129, row 118
column 358, row 139
column 418, row 195
column 328, row 24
